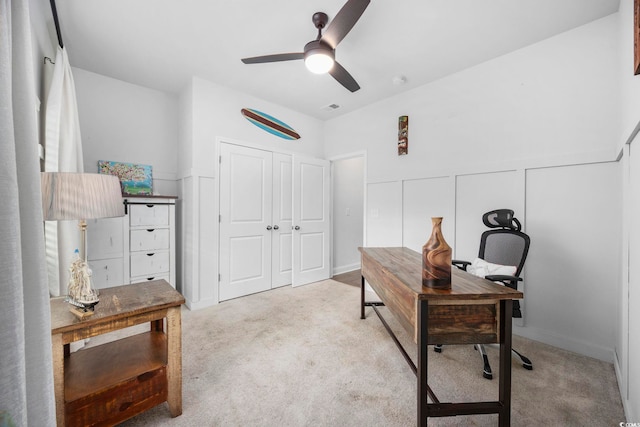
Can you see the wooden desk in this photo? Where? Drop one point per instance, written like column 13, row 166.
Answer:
column 110, row 383
column 473, row 311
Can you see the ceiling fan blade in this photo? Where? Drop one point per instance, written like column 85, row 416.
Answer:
column 273, row 58
column 343, row 77
column 344, row 21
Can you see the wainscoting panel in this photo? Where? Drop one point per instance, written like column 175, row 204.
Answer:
column 384, row 214
column 423, row 199
column 477, row 194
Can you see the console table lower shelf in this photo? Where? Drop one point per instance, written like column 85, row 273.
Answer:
column 112, row 382
column 473, row 311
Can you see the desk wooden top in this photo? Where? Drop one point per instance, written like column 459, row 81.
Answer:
column 406, row 266
column 116, row 303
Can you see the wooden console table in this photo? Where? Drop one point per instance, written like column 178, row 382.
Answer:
column 112, row 382
column 473, row 311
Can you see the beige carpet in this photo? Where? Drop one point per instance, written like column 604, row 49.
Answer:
column 302, row 357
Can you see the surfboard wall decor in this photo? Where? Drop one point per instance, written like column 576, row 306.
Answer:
column 269, row 124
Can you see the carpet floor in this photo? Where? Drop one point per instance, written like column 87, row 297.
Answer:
column 302, row 357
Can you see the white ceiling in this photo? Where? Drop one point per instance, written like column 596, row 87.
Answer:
column 160, row 44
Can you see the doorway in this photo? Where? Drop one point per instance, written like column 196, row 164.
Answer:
column 348, row 190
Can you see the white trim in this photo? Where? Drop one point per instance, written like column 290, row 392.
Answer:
column 574, row 159
column 633, row 134
column 200, row 304
column 195, row 172
column 359, row 153
column 581, row 347
column 165, row 176
column 352, row 155
column 628, row 410
column 232, row 141
column 345, row 269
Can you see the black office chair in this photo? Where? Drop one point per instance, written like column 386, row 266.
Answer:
column 504, row 245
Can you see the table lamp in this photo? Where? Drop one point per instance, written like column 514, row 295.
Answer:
column 80, row 196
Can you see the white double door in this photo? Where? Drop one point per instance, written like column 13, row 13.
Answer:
column 274, row 220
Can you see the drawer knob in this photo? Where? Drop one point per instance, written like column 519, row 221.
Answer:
column 150, row 229
column 151, row 254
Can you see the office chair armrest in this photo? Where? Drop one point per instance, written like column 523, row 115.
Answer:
column 503, row 278
column 462, row 265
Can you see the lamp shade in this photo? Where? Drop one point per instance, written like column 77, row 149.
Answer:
column 69, row 196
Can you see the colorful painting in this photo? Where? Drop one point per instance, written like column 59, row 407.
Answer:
column 135, row 179
column 269, row 123
column 403, row 135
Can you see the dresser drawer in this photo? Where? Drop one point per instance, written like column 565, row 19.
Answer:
column 149, row 263
column 107, row 272
column 149, row 239
column 160, row 276
column 143, row 215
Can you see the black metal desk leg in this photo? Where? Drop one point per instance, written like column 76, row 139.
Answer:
column 506, row 306
column 423, row 315
column 362, row 297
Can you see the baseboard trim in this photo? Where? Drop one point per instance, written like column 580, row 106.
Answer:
column 200, row 304
column 567, row 343
column 345, row 268
column 623, row 397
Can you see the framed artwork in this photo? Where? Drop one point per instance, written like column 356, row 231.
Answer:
column 636, row 37
column 135, row 179
column 403, row 135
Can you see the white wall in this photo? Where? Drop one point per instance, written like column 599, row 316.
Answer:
column 628, row 320
column 550, row 102
column 347, row 178
column 214, row 116
column 572, row 278
column 128, row 123
column 499, row 135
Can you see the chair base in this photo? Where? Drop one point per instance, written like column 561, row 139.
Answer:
column 486, row 369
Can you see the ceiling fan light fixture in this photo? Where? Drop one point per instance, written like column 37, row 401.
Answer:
column 319, row 63
column 318, row 58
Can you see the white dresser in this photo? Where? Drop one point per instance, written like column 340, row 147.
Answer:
column 138, row 247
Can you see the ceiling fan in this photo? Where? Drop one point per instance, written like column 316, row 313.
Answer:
column 319, row 54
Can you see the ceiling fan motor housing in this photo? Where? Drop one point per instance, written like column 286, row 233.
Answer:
column 318, row 46
column 319, row 57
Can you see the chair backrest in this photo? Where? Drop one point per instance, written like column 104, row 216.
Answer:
column 507, row 245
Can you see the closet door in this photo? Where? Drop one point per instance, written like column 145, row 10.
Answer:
column 311, row 221
column 245, row 221
column 282, row 214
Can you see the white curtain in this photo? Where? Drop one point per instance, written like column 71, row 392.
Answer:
column 63, row 153
column 26, row 372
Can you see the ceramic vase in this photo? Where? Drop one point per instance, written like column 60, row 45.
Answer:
column 436, row 259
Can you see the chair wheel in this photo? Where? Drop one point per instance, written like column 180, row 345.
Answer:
column 527, row 367
column 488, row 376
column 438, row 348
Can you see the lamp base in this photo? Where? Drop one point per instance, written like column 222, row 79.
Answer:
column 80, row 313
column 83, row 309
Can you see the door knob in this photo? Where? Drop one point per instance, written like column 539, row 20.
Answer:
column 296, row 227
column 269, row 227
column 275, row 227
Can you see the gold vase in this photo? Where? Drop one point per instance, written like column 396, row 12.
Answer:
column 436, row 259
